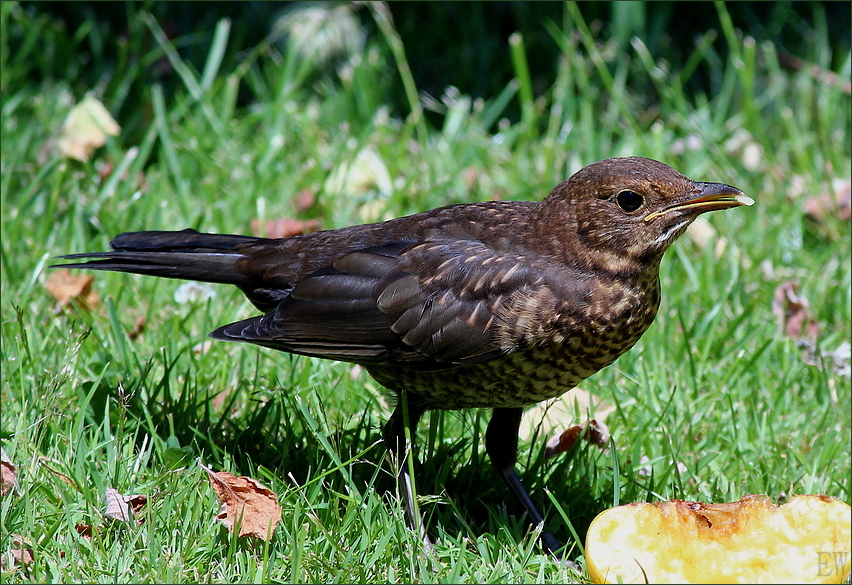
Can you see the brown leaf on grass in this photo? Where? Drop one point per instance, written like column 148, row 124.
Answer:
column 837, row 204
column 138, row 328
column 119, row 506
column 86, row 128
column 22, row 552
column 8, row 473
column 546, row 418
column 66, row 287
column 791, row 309
column 284, row 227
column 247, row 503
column 304, row 200
column 84, row 530
column 594, row 432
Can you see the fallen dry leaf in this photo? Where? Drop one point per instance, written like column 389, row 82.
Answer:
column 284, row 227
column 138, row 328
column 836, row 204
column 791, row 309
column 86, row 128
column 547, row 418
column 304, row 200
column 119, row 506
column 246, row 502
column 84, row 530
column 593, row 431
column 22, row 552
column 66, row 287
column 9, row 474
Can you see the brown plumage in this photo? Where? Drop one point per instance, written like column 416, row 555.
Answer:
column 499, row 305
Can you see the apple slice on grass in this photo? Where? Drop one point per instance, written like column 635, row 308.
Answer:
column 807, row 540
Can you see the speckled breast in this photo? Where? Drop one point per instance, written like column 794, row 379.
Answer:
column 521, row 378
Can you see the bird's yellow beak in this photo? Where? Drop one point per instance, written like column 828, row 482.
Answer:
column 708, row 197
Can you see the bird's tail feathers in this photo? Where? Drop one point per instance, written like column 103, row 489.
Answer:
column 187, row 254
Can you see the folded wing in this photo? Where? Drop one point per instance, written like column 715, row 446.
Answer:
column 427, row 305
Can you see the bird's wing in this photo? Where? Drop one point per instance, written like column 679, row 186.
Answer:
column 426, row 305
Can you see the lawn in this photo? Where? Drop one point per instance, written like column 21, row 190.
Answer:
column 723, row 396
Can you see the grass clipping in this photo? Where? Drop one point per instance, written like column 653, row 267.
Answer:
column 806, row 540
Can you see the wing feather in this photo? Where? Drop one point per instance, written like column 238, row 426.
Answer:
column 429, row 304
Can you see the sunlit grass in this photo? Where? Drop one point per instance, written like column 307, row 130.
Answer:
column 712, row 404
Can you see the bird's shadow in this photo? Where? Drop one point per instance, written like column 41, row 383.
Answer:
column 459, row 488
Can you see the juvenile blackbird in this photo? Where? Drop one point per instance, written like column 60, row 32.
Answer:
column 498, row 304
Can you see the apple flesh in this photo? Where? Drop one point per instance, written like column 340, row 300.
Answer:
column 807, row 540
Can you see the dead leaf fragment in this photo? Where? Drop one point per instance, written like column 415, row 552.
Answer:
column 85, row 129
column 304, row 200
column 791, row 309
column 138, row 328
column 836, row 204
column 547, row 418
column 22, row 552
column 594, row 432
column 84, row 530
column 246, row 502
column 66, row 287
column 9, row 474
column 284, row 227
column 119, row 506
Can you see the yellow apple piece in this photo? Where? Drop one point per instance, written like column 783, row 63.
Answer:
column 807, row 540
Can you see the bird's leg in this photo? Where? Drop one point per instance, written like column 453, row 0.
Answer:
column 401, row 454
column 501, row 443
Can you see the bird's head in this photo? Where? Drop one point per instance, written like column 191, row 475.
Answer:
column 625, row 212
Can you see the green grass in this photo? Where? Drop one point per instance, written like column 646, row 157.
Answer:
column 714, row 398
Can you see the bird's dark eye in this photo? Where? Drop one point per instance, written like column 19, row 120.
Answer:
column 629, row 201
